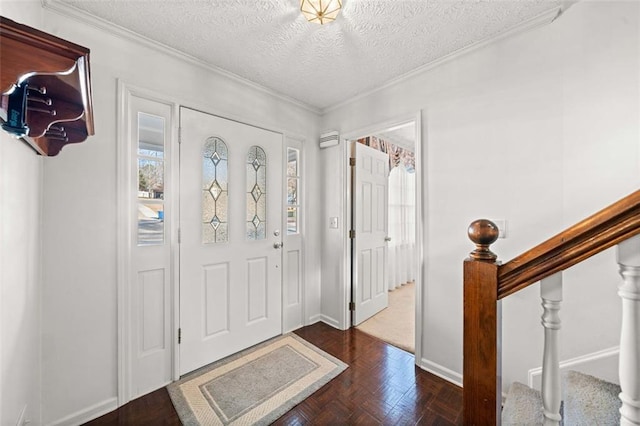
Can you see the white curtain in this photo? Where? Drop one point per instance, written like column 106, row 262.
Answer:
column 402, row 227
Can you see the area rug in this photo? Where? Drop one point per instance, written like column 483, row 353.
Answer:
column 255, row 386
column 396, row 323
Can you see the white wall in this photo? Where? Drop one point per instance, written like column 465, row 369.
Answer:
column 79, row 323
column 540, row 129
column 20, row 280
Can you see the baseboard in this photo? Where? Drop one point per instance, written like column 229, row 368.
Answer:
column 88, row 414
column 602, row 364
column 442, row 372
column 330, row 321
column 314, row 319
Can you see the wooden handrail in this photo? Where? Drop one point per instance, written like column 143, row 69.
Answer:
column 608, row 227
column 486, row 281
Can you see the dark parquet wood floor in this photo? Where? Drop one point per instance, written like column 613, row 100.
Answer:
column 382, row 386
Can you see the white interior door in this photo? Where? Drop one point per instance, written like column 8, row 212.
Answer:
column 369, row 216
column 230, row 218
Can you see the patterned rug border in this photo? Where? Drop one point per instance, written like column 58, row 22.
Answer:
column 187, row 416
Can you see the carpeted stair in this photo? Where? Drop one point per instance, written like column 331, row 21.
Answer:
column 587, row 401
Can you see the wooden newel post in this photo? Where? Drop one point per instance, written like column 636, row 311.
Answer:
column 482, row 381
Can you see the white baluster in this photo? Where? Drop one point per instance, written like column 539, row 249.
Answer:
column 629, row 291
column 551, row 294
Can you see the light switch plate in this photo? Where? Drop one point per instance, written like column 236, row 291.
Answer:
column 333, row 222
column 502, row 227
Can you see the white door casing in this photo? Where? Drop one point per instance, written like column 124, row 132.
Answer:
column 369, row 220
column 230, row 292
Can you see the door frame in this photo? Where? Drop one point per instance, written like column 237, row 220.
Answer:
column 123, row 244
column 420, row 220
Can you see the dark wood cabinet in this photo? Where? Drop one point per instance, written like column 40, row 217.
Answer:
column 46, row 88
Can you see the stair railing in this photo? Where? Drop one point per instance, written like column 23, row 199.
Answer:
column 486, row 282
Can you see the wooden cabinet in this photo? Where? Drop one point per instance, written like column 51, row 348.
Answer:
column 46, row 88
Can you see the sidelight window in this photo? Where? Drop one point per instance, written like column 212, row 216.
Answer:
column 293, row 193
column 151, row 159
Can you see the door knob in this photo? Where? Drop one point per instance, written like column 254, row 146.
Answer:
column 278, row 245
column 387, row 239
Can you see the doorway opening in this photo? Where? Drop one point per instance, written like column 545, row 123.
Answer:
column 399, row 320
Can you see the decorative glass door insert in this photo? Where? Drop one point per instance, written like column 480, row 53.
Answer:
column 215, row 194
column 256, row 194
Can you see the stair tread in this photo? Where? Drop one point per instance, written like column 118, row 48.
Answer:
column 587, row 400
column 523, row 406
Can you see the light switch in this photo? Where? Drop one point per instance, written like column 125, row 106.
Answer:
column 333, row 222
column 502, row 227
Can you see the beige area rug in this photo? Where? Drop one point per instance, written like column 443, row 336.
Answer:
column 255, row 386
column 396, row 323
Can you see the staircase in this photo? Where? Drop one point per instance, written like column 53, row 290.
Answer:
column 586, row 400
column 572, row 398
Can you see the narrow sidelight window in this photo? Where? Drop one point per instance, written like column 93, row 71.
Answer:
column 293, row 184
column 151, row 139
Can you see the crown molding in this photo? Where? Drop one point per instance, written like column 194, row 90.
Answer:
column 104, row 25
column 537, row 21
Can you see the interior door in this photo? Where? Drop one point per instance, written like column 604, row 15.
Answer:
column 370, row 222
column 230, row 217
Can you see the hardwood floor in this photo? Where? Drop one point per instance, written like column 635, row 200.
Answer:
column 381, row 386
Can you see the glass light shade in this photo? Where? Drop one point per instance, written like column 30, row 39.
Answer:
column 320, row 11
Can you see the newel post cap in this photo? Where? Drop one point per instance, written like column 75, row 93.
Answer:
column 483, row 233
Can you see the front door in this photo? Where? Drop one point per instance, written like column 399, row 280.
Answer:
column 370, row 222
column 230, row 237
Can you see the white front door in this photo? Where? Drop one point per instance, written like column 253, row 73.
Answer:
column 369, row 212
column 230, row 219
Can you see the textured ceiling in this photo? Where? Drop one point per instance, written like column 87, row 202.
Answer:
column 269, row 42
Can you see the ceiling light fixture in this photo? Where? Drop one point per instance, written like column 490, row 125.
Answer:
column 320, row 11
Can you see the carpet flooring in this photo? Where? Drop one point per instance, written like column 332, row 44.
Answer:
column 396, row 323
column 587, row 401
column 256, row 386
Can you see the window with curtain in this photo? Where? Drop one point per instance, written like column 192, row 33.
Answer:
column 402, row 227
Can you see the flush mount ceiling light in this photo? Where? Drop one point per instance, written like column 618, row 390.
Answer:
column 320, row 11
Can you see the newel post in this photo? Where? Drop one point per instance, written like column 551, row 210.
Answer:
column 482, row 376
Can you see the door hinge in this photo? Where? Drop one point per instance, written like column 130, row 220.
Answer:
column 352, row 306
column 352, row 161
column 179, row 134
column 352, row 233
column 179, row 335
column 179, row 236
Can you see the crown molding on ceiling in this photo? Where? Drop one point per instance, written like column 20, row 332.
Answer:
column 535, row 22
column 102, row 24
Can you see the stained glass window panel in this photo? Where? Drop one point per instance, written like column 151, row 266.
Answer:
column 256, row 194
column 215, row 203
